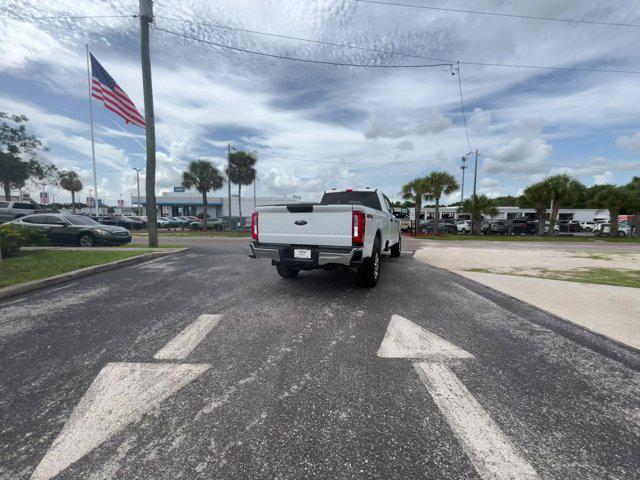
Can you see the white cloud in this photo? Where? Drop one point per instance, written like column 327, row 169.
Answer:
column 432, row 123
column 480, row 121
column 630, row 142
column 606, row 177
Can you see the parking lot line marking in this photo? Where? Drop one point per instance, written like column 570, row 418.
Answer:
column 120, row 395
column 182, row 344
column 488, row 448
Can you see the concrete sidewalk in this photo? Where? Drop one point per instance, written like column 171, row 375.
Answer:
column 611, row 311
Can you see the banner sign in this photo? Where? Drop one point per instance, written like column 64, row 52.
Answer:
column 412, row 214
column 178, row 189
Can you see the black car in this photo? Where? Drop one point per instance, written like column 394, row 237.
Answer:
column 498, row 227
column 121, row 221
column 74, row 230
column 523, row 227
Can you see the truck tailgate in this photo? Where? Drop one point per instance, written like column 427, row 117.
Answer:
column 306, row 224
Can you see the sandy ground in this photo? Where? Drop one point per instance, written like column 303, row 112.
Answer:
column 608, row 310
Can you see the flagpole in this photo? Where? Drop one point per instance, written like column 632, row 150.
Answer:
column 93, row 146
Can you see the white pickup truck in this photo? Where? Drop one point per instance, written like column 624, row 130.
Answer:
column 348, row 228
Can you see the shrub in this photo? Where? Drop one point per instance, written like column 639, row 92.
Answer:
column 13, row 237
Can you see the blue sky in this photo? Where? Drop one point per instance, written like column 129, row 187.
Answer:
column 312, row 124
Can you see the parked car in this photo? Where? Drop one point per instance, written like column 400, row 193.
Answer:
column 141, row 219
column 624, row 229
column 429, row 226
column 521, row 226
column 212, row 224
column 10, row 210
column 74, row 229
column 348, row 228
column 587, row 226
column 463, row 226
column 567, row 226
column 498, row 227
column 121, row 221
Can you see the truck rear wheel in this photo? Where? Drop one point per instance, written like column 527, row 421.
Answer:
column 287, row 272
column 369, row 271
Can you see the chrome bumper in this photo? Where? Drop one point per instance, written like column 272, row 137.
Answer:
column 320, row 256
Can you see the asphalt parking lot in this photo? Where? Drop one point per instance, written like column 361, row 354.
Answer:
column 206, row 364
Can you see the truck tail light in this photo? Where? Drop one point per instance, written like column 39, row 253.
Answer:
column 357, row 228
column 254, row 226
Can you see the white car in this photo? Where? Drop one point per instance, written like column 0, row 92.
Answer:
column 463, row 226
column 587, row 226
column 349, row 228
column 605, row 229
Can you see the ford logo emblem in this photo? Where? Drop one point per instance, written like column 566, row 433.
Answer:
column 300, row 222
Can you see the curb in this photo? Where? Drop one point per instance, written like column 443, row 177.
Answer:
column 26, row 287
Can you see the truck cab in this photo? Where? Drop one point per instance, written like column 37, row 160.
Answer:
column 348, row 228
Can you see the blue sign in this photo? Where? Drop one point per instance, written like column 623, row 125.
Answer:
column 178, row 189
column 100, row 203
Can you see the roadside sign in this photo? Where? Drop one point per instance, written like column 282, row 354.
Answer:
column 178, row 189
column 44, row 198
column 412, row 214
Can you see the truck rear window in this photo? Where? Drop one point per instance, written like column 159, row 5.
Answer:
column 368, row 199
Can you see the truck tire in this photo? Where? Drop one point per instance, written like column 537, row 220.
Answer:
column 397, row 248
column 287, row 272
column 369, row 271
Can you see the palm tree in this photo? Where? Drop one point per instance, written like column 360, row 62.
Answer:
column 563, row 189
column 242, row 172
column 414, row 191
column 482, row 206
column 438, row 184
column 203, row 176
column 70, row 181
column 537, row 196
column 613, row 199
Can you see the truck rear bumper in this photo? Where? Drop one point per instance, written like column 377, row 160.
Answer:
column 320, row 256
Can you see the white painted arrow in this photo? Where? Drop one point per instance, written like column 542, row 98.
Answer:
column 490, row 451
column 120, row 395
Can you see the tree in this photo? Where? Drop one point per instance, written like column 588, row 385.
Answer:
column 483, row 206
column 438, row 184
column 537, row 196
column 563, row 189
column 242, row 172
column 611, row 198
column 204, row 177
column 19, row 154
column 415, row 190
column 70, row 181
column 634, row 203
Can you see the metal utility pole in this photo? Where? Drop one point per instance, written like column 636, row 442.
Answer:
column 229, row 182
column 473, row 199
column 146, row 17
column 138, row 182
column 254, row 192
column 463, row 167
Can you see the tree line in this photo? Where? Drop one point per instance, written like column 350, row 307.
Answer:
column 552, row 193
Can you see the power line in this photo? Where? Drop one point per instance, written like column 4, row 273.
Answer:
column 65, row 17
column 403, row 54
column 296, row 59
column 464, row 115
column 499, row 14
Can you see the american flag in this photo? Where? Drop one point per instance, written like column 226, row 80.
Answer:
column 105, row 89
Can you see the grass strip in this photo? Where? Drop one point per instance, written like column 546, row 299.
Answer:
column 39, row 264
